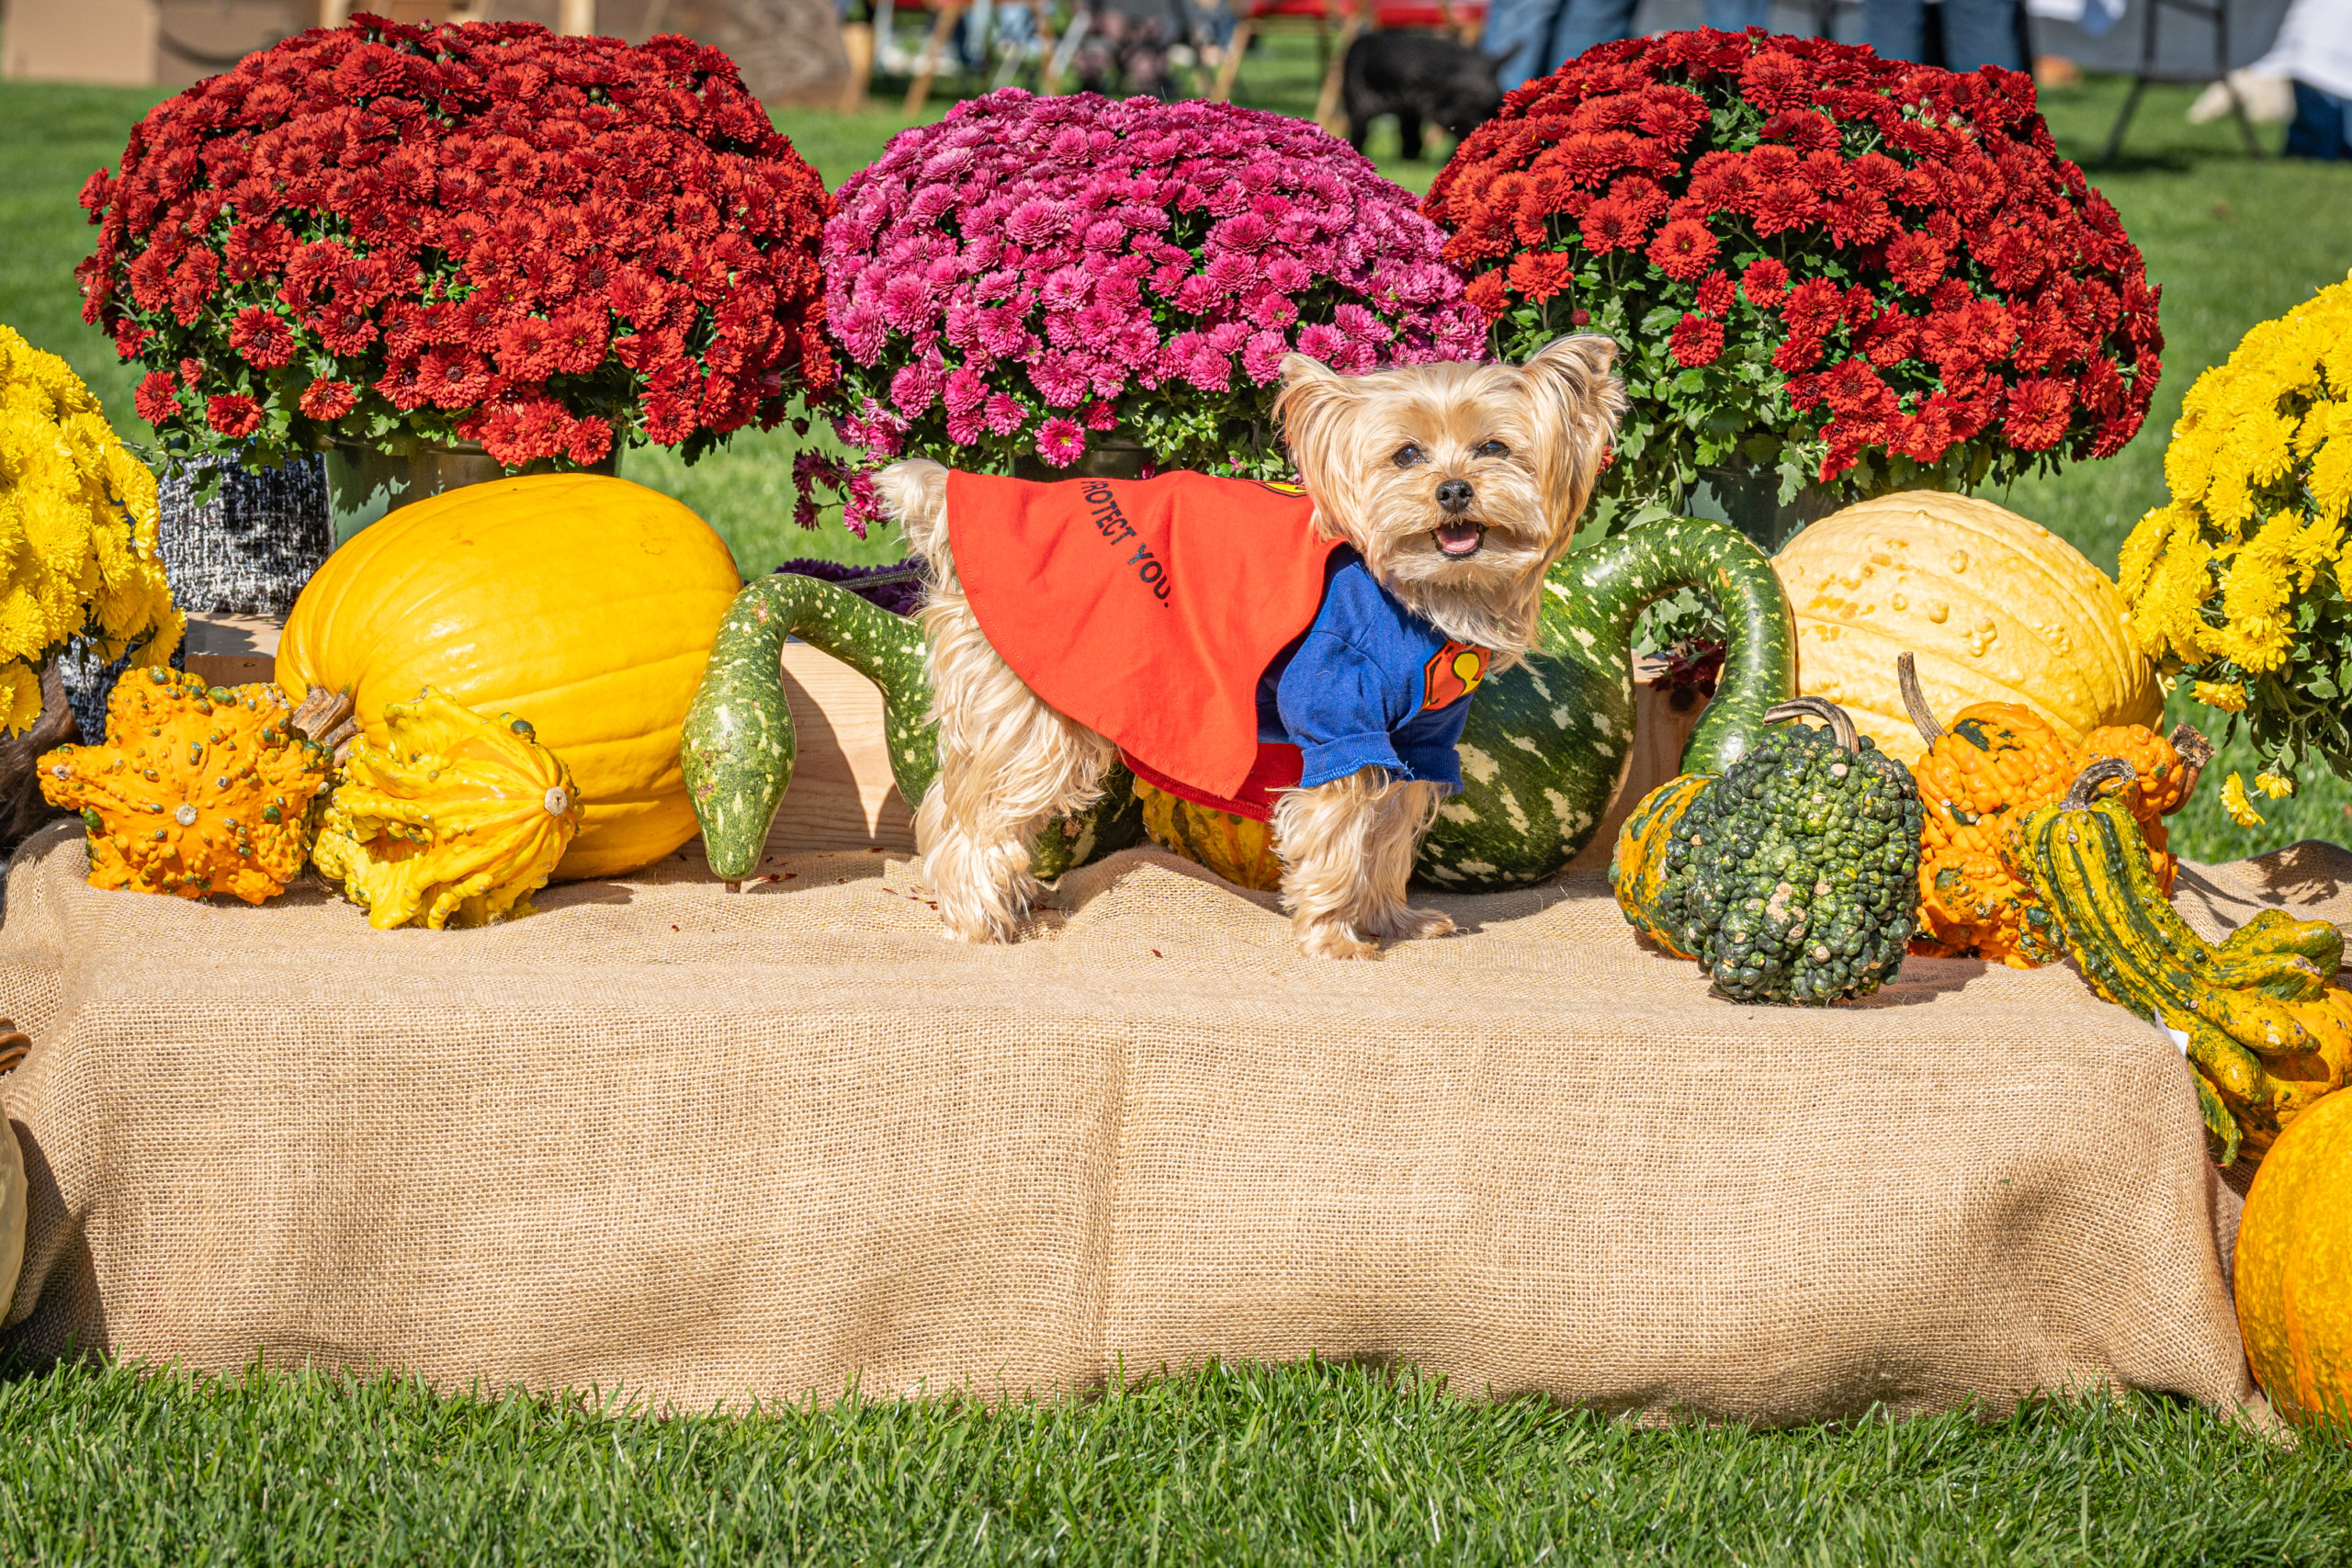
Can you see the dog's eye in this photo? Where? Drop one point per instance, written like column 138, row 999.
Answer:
column 1407, row 455
column 1493, row 449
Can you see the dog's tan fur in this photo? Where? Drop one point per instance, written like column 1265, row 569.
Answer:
column 1009, row 764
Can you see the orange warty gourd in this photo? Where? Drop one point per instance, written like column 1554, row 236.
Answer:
column 2294, row 1265
column 1977, row 778
column 582, row 604
column 198, row 789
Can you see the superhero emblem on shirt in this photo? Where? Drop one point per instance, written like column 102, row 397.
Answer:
column 1453, row 673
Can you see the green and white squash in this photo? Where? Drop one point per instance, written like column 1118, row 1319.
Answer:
column 737, row 745
column 1549, row 741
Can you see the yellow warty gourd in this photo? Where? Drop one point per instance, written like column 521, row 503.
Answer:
column 1995, row 607
column 457, row 820
column 583, row 604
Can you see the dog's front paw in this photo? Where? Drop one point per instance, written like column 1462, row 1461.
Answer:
column 1332, row 939
column 1416, row 925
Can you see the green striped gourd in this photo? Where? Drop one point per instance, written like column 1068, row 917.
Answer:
column 737, row 745
column 1549, row 741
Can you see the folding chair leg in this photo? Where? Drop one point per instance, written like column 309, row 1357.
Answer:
column 1057, row 64
column 1229, row 70
column 857, row 41
column 2221, row 69
column 2139, row 85
column 942, row 24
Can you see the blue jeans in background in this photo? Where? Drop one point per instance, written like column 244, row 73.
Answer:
column 1977, row 32
column 2323, row 126
column 1536, row 37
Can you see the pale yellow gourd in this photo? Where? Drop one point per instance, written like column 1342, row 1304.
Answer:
column 1995, row 607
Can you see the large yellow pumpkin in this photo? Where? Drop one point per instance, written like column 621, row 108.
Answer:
column 583, row 604
column 2294, row 1265
column 1997, row 608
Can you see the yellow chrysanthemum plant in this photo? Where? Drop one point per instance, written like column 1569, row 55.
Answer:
column 77, row 532
column 2243, row 585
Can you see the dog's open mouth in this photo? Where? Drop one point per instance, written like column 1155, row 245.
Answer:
column 1459, row 539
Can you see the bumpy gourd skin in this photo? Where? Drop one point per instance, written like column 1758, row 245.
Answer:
column 1794, row 877
column 1996, row 757
column 200, row 789
column 456, row 820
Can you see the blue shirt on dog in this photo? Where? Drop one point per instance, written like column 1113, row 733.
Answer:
column 1370, row 685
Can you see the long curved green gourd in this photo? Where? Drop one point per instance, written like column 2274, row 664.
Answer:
column 1549, row 741
column 737, row 746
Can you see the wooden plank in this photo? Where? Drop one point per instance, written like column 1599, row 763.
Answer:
column 233, row 650
column 843, row 796
column 1659, row 734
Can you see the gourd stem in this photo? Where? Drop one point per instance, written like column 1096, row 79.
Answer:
column 1915, row 701
column 2086, row 783
column 1829, row 713
column 2195, row 751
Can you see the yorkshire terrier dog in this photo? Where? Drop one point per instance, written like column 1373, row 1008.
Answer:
column 1347, row 620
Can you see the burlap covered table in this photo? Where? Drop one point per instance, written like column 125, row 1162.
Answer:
column 708, row 1147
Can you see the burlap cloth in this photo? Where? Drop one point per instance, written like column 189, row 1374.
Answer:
column 705, row 1147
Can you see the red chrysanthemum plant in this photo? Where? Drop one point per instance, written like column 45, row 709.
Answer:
column 383, row 237
column 1848, row 273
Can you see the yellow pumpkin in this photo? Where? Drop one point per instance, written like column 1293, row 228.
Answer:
column 1997, row 608
column 2294, row 1265
column 583, row 604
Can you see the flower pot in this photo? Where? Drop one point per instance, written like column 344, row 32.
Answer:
column 364, row 484
column 1749, row 499
column 249, row 549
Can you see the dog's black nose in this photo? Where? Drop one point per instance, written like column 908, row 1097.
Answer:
column 1455, row 495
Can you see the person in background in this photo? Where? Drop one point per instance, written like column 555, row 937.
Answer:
column 1977, row 32
column 1126, row 45
column 2314, row 51
column 1535, row 38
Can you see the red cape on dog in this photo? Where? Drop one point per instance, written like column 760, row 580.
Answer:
column 1147, row 610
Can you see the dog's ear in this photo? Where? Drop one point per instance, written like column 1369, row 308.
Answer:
column 1312, row 409
column 1573, row 391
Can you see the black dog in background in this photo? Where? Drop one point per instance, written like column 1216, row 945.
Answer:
column 1419, row 77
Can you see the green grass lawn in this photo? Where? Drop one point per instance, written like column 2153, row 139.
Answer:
column 1306, row 1464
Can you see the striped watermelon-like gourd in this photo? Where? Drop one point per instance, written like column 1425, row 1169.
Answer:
column 1549, row 741
column 737, row 745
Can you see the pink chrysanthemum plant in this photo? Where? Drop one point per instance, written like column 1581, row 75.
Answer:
column 1033, row 274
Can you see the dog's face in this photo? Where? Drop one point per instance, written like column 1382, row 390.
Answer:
column 1459, row 483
